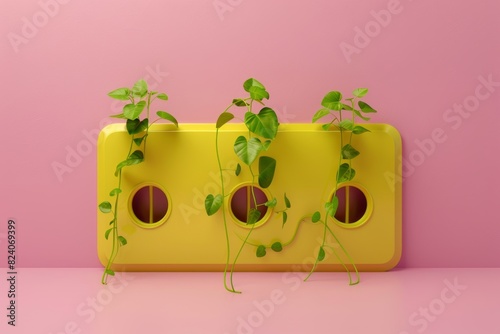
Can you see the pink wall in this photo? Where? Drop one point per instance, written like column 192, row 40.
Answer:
column 423, row 59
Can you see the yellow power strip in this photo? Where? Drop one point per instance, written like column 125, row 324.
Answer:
column 162, row 213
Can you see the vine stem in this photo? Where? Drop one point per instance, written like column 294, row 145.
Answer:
column 348, row 257
column 228, row 246
column 116, row 245
column 251, row 229
column 333, row 196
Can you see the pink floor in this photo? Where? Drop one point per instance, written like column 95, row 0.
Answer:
column 403, row 301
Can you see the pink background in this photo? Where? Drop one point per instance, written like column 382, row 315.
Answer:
column 427, row 57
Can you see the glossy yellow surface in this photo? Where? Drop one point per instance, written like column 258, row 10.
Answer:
column 181, row 163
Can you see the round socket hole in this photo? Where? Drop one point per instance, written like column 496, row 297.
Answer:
column 352, row 204
column 150, row 204
column 243, row 201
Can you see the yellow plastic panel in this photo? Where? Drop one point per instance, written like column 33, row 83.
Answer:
column 162, row 215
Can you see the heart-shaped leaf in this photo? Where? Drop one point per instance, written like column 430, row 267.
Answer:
column 316, row 217
column 106, row 234
column 358, row 129
column 320, row 114
column 120, row 94
column 136, row 126
column 240, row 103
column 360, row 92
column 249, row 83
column 223, row 119
column 345, row 173
column 332, row 206
column 253, row 216
column 256, row 89
column 165, row 115
column 332, row 101
column 346, row 124
column 261, row 251
column 365, row 107
column 267, row 166
column 122, row 240
column 247, row 151
column 135, row 158
column 115, row 191
column 132, row 111
column 321, row 254
column 162, row 96
column 287, row 202
column 277, row 246
column 105, row 207
column 139, row 140
column 264, row 124
column 271, row 203
column 349, row 152
column 213, row 203
column 140, row 88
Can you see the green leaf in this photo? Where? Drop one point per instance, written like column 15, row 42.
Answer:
column 247, row 151
column 285, row 218
column 162, row 96
column 349, row 152
column 320, row 114
column 266, row 144
column 332, row 101
column 332, row 206
column 345, row 173
column 360, row 92
column 238, row 169
column 253, row 216
column 120, row 94
column 106, row 234
column 358, row 129
column 346, row 124
column 105, row 207
column 258, row 93
column 326, row 126
column 112, row 222
column 109, row 272
column 252, row 83
column 140, row 88
column 316, row 217
column 132, row 111
column 213, row 203
column 240, row 103
column 136, row 126
column 261, row 251
column 138, row 141
column 271, row 203
column 223, row 119
column 267, row 167
column 365, row 107
column 122, row 240
column 121, row 116
column 115, row 191
column 264, row 124
column 256, row 89
column 321, row 254
column 287, row 202
column 168, row 117
column 358, row 113
column 277, row 246
column 135, row 158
